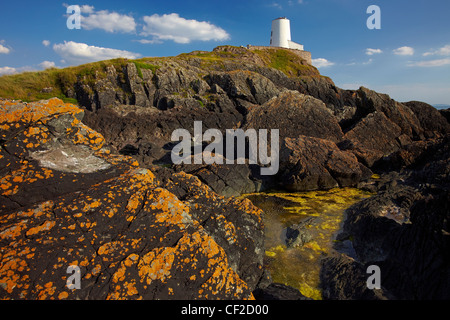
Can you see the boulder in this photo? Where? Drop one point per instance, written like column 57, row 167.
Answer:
column 372, row 138
column 369, row 101
column 226, row 180
column 297, row 235
column 66, row 200
column 431, row 120
column 308, row 163
column 342, row 278
column 295, row 114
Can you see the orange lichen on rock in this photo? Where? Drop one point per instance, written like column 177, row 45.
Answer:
column 34, row 112
column 131, row 237
column 171, row 211
column 47, row 225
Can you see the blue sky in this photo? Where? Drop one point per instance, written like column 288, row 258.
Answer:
column 408, row 58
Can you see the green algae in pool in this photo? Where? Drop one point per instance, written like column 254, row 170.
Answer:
column 299, row 267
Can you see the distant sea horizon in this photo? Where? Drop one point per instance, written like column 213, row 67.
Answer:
column 441, row 106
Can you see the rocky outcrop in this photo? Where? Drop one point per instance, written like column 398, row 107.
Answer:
column 66, row 200
column 432, row 122
column 403, row 230
column 138, row 106
column 295, row 114
column 308, row 163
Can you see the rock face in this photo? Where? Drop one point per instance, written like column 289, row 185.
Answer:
column 67, row 201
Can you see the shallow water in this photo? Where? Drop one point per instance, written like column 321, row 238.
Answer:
column 299, row 267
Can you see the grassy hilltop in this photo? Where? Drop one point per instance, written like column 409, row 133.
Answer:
column 55, row 82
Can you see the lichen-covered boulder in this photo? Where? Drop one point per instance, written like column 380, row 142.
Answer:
column 65, row 201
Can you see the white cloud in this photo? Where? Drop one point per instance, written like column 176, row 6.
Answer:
column 46, row 43
column 404, row 51
column 276, row 5
column 4, row 49
column 371, row 52
column 146, row 41
column 47, row 64
column 87, row 9
column 108, row 21
column 7, row 70
column 430, row 63
column 105, row 20
column 78, row 53
column 181, row 30
column 321, row 63
column 444, row 51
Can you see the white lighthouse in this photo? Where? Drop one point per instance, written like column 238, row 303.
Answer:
column 281, row 35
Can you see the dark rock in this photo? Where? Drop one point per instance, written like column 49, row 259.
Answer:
column 295, row 114
column 135, row 83
column 323, row 88
column 225, row 180
column 141, row 127
column 404, row 230
column 308, row 163
column 369, row 101
column 297, row 235
column 446, row 114
column 244, row 85
column 372, row 138
column 342, row 278
column 431, row 120
column 278, row 291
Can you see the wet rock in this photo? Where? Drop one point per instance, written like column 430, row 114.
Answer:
column 297, row 235
column 278, row 291
column 404, row 230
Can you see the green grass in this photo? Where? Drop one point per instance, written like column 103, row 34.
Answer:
column 142, row 65
column 287, row 62
column 28, row 86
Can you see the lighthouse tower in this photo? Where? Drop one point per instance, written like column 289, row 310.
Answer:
column 281, row 35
